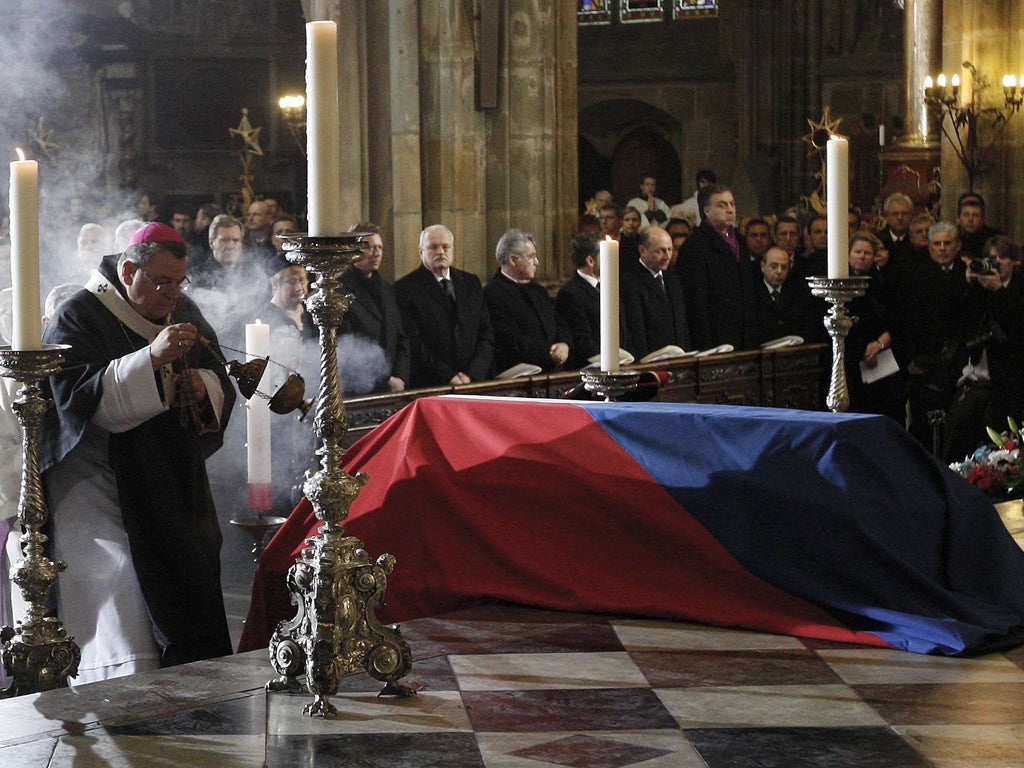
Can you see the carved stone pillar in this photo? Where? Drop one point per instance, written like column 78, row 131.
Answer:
column 922, row 56
column 910, row 165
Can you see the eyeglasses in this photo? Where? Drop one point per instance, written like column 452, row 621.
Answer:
column 181, row 285
column 220, row 239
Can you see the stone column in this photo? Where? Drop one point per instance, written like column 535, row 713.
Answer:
column 514, row 165
column 531, row 163
column 922, row 55
column 394, row 188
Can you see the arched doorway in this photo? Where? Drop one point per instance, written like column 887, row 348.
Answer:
column 632, row 139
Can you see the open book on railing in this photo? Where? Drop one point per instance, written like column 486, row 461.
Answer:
column 665, row 353
column 721, row 349
column 520, row 369
column 783, row 341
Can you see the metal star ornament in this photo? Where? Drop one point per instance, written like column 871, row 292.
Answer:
column 248, row 134
column 820, row 131
column 42, row 138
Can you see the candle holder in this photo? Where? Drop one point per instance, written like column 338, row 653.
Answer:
column 260, row 528
column 37, row 652
column 838, row 291
column 334, row 584
column 611, row 385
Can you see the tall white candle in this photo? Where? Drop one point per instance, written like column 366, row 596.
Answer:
column 323, row 132
column 837, row 157
column 609, row 265
column 27, row 316
column 257, row 346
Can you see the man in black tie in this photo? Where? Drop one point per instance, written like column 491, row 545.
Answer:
column 374, row 314
column 527, row 329
column 782, row 307
column 449, row 329
column 652, row 298
column 579, row 300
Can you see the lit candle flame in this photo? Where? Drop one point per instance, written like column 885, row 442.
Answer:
column 21, row 154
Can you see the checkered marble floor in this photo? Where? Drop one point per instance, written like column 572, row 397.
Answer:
column 512, row 687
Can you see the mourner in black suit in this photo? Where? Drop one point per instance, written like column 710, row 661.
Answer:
column 449, row 330
column 791, row 311
column 932, row 319
column 713, row 267
column 374, row 313
column 578, row 301
column 652, row 298
column 527, row 329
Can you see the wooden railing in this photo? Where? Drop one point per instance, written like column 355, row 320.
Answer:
column 792, row 377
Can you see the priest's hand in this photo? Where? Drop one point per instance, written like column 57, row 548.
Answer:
column 172, row 342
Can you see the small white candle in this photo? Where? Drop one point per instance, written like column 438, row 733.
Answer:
column 837, row 170
column 323, row 133
column 609, row 265
column 24, row 202
column 257, row 346
column 881, row 136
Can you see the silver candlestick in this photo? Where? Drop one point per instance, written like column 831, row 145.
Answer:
column 611, row 385
column 838, row 291
column 334, row 584
column 37, row 652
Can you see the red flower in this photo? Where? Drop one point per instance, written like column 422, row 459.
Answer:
column 1010, row 444
column 986, row 478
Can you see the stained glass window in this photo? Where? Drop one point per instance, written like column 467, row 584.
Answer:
column 694, row 9
column 593, row 12
column 631, row 11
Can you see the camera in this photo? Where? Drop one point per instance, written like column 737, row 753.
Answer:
column 982, row 266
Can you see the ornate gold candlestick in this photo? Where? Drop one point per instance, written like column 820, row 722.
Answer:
column 334, row 584
column 37, row 652
column 611, row 385
column 838, row 291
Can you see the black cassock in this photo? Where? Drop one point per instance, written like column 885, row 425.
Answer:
column 159, row 466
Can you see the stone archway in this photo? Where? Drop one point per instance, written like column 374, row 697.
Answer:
column 634, row 139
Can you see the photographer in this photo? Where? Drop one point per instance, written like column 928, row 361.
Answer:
column 990, row 386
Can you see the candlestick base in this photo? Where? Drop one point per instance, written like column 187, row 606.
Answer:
column 611, row 385
column 838, row 291
column 38, row 654
column 334, row 584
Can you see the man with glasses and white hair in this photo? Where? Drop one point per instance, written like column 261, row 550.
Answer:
column 140, row 403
